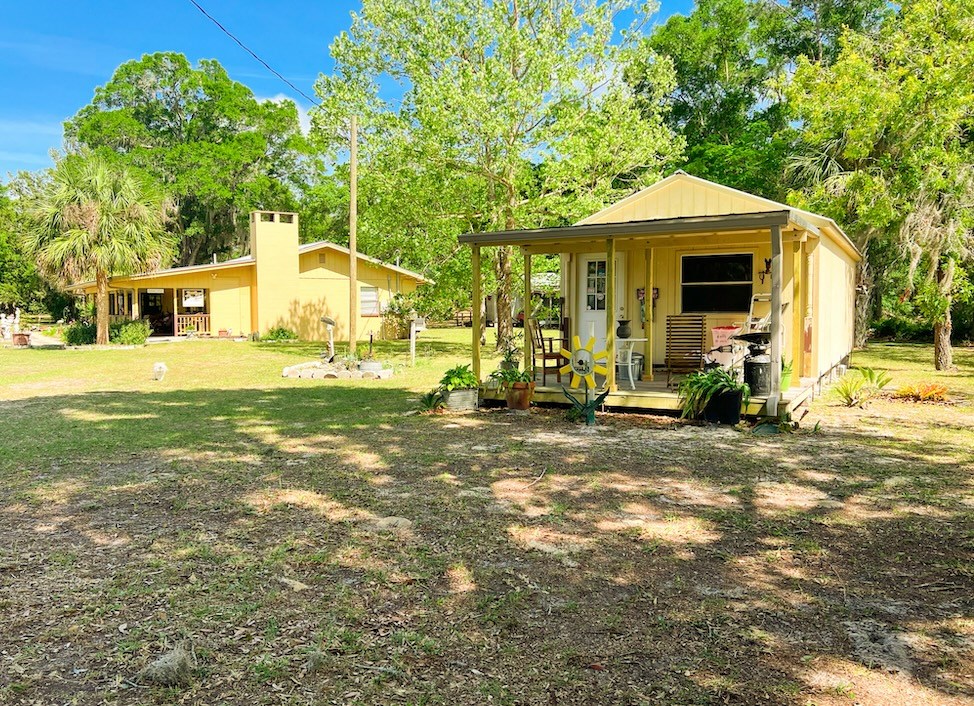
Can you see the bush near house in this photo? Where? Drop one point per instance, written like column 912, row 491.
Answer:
column 280, row 333
column 126, row 333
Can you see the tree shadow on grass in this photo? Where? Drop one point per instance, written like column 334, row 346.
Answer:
column 639, row 562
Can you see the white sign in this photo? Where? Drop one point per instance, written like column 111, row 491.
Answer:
column 193, row 298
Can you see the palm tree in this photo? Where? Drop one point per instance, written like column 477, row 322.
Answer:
column 92, row 219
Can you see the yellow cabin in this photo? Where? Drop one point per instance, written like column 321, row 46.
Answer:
column 281, row 283
column 690, row 252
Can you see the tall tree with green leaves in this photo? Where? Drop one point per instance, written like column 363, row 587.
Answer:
column 512, row 114
column 724, row 102
column 813, row 28
column 92, row 219
column 888, row 150
column 732, row 60
column 219, row 151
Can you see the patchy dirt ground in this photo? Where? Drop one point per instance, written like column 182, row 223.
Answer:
column 488, row 558
column 319, row 544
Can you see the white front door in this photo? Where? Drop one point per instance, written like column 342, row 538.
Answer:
column 592, row 289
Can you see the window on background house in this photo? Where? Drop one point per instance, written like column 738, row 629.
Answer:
column 369, row 301
column 717, row 283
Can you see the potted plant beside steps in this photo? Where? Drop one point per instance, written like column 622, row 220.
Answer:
column 716, row 395
column 460, row 389
column 518, row 386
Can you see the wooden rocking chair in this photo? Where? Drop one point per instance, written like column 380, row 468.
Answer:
column 544, row 348
column 686, row 341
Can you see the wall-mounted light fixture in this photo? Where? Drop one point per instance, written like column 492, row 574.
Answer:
column 767, row 269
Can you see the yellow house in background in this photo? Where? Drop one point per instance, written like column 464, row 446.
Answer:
column 281, row 283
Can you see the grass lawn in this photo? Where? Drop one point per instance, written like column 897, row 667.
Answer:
column 644, row 561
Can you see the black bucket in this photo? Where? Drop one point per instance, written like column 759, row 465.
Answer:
column 757, row 375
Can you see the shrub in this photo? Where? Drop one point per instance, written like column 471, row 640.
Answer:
column 129, row 333
column 399, row 312
column 124, row 333
column 280, row 333
column 922, row 392
column 902, row 329
column 80, row 334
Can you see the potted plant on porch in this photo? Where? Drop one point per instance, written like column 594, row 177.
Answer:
column 518, row 385
column 460, row 388
column 787, row 371
column 714, row 394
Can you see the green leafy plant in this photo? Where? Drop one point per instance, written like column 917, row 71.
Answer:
column 856, row 388
column 698, row 388
column 459, row 378
column 432, row 402
column 877, row 379
column 851, row 390
column 787, row 371
column 508, row 376
column 399, row 312
column 280, row 333
column 511, row 353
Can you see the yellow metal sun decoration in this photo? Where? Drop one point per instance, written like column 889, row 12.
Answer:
column 583, row 363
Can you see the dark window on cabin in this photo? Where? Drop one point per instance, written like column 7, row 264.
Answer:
column 717, row 283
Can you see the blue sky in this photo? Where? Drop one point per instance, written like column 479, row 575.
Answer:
column 53, row 54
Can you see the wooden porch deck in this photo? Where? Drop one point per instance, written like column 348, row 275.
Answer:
column 654, row 395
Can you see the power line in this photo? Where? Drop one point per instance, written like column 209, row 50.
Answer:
column 247, row 49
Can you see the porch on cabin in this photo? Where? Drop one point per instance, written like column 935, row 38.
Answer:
column 645, row 271
column 653, row 395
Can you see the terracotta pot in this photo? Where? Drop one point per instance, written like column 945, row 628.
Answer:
column 519, row 395
column 20, row 339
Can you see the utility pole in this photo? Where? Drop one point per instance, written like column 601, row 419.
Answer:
column 353, row 295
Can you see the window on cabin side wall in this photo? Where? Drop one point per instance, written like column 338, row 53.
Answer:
column 369, row 301
column 714, row 284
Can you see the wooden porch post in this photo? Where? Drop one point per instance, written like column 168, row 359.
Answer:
column 476, row 305
column 526, row 305
column 135, row 305
column 610, row 310
column 648, row 307
column 776, row 272
column 175, row 311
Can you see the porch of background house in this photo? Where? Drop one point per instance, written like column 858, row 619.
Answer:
column 169, row 311
column 643, row 240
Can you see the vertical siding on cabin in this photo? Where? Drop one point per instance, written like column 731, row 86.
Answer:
column 834, row 313
column 681, row 198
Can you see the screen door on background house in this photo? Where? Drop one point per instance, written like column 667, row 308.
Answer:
column 592, row 283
